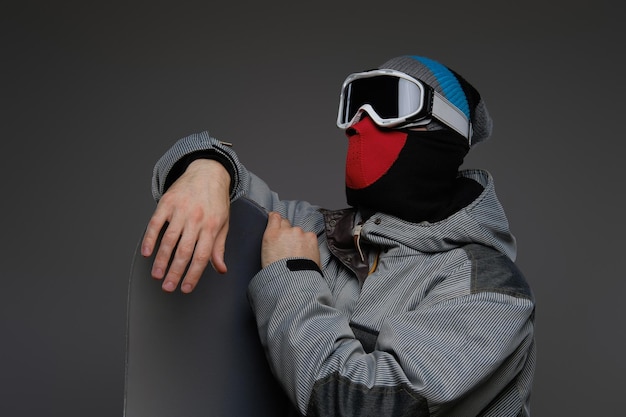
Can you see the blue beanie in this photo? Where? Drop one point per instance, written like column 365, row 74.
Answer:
column 450, row 85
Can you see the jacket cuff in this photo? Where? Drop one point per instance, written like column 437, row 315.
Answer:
column 181, row 165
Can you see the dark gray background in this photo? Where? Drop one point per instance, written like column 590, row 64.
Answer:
column 92, row 94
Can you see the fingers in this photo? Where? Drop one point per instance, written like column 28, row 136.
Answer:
column 275, row 221
column 193, row 269
column 219, row 248
column 167, row 244
column 183, row 251
column 206, row 250
column 186, row 250
column 281, row 240
column 152, row 232
column 180, row 261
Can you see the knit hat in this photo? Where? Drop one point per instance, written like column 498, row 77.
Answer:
column 452, row 86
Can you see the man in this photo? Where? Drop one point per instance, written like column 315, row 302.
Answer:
column 406, row 303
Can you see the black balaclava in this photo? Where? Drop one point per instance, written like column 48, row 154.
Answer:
column 413, row 174
column 409, row 174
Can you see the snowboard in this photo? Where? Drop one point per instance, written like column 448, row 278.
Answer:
column 199, row 354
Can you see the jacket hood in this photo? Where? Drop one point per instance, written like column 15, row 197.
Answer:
column 483, row 221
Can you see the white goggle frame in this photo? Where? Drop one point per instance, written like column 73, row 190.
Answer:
column 411, row 100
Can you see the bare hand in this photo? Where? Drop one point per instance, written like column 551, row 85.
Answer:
column 281, row 240
column 196, row 210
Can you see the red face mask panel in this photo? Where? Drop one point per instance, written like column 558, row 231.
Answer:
column 371, row 152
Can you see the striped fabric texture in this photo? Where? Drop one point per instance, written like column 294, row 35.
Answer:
column 442, row 326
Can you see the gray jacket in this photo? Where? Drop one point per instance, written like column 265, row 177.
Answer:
column 415, row 319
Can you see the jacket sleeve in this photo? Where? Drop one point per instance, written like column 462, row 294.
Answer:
column 243, row 182
column 428, row 360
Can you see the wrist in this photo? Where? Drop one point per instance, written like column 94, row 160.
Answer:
column 213, row 169
column 182, row 166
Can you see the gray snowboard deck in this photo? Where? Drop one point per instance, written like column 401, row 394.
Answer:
column 199, row 354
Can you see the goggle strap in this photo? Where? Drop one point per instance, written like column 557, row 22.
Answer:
column 450, row 115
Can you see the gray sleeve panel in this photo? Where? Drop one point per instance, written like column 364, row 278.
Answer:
column 336, row 396
column 492, row 271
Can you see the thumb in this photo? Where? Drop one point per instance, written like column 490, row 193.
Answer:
column 274, row 220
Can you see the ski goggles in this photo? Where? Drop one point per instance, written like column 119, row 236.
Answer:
column 394, row 99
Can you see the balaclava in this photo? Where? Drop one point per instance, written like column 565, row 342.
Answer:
column 413, row 174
